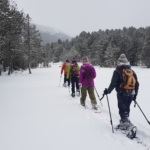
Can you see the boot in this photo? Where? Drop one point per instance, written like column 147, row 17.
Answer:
column 124, row 124
column 73, row 94
column 82, row 102
column 64, row 84
column 94, row 106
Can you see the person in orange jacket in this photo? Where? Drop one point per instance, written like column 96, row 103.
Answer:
column 64, row 69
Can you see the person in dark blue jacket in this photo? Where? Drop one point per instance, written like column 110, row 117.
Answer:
column 124, row 96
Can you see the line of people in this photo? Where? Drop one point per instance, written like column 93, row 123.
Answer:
column 83, row 77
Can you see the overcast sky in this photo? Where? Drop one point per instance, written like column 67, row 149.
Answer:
column 74, row 16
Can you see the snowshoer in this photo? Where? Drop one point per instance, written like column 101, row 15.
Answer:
column 126, row 88
column 86, row 79
column 73, row 73
column 64, row 69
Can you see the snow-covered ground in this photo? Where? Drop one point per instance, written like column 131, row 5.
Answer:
column 37, row 114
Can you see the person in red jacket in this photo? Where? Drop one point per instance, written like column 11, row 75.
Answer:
column 64, row 69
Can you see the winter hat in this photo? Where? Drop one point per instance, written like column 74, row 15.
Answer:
column 67, row 60
column 74, row 60
column 122, row 60
column 85, row 59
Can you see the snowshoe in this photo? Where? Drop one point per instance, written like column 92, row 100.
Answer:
column 124, row 124
column 128, row 128
column 83, row 104
column 131, row 133
column 73, row 94
column 94, row 106
column 64, row 85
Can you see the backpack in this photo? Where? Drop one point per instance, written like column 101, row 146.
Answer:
column 74, row 71
column 67, row 67
column 129, row 80
column 87, row 72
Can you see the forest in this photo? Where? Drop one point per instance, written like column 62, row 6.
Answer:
column 21, row 48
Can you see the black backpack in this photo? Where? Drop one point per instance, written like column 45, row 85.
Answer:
column 74, row 71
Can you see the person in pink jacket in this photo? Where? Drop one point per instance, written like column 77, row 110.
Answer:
column 86, row 79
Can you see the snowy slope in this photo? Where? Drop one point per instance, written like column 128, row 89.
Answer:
column 37, row 114
column 50, row 34
column 48, row 29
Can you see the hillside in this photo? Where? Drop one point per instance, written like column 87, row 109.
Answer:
column 50, row 34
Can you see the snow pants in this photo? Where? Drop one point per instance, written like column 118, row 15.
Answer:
column 90, row 90
column 124, row 102
column 74, row 82
column 66, row 80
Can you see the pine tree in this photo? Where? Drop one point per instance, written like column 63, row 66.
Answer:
column 146, row 50
column 11, row 33
column 110, row 58
column 4, row 11
column 32, row 41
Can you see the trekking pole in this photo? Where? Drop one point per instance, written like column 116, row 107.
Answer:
column 102, row 97
column 98, row 95
column 69, row 89
column 60, row 79
column 110, row 114
column 141, row 111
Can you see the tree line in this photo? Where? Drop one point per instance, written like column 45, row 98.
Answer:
column 20, row 41
column 104, row 47
column 20, row 44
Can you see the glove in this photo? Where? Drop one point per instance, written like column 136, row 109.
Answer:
column 106, row 92
column 134, row 97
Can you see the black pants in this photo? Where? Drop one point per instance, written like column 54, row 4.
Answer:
column 124, row 102
column 66, row 80
column 74, row 81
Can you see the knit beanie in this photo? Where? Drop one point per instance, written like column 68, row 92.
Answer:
column 67, row 60
column 85, row 59
column 74, row 60
column 122, row 60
